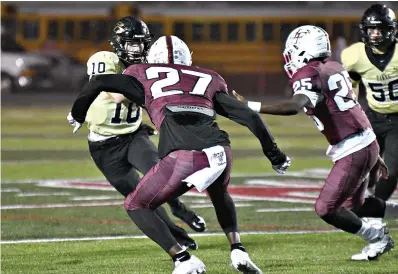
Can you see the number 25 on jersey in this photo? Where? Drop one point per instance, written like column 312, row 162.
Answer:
column 340, row 83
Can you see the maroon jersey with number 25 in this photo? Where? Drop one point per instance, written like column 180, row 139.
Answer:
column 333, row 106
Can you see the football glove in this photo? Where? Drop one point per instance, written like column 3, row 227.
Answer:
column 149, row 130
column 73, row 123
column 282, row 167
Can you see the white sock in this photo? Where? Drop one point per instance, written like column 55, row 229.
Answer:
column 391, row 210
column 369, row 233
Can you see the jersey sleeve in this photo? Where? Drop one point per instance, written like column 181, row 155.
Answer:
column 132, row 71
column 129, row 86
column 349, row 58
column 222, row 85
column 104, row 62
column 307, row 82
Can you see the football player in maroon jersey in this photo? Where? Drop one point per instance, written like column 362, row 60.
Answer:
column 323, row 89
column 182, row 102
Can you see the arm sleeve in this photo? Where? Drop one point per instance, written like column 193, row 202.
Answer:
column 240, row 113
column 129, row 86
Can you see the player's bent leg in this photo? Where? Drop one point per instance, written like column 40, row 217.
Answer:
column 357, row 201
column 227, row 218
column 386, row 187
column 345, row 179
column 343, row 182
column 143, row 155
column 110, row 159
column 226, row 215
column 179, row 233
column 375, row 207
column 160, row 184
column 193, row 220
column 124, row 178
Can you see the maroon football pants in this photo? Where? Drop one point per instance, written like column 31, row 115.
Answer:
column 346, row 184
column 164, row 181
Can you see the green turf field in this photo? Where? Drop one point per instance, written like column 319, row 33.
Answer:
column 52, row 190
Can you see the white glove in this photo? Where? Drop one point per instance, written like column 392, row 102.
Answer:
column 283, row 167
column 73, row 123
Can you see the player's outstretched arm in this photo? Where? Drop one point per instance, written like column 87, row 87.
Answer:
column 227, row 106
column 127, row 85
column 286, row 107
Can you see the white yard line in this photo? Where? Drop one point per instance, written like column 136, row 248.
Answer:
column 103, row 238
column 42, row 194
column 285, row 183
column 98, row 198
column 10, row 190
column 60, row 205
column 210, row 205
column 286, row 209
column 312, row 173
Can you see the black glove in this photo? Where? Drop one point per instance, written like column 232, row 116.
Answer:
column 275, row 156
column 280, row 162
column 149, row 130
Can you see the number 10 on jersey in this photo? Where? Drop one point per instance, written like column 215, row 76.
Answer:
column 133, row 114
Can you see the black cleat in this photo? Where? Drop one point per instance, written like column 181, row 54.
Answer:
column 188, row 243
column 193, row 220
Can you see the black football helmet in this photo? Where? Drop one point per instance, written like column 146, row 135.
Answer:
column 383, row 19
column 131, row 40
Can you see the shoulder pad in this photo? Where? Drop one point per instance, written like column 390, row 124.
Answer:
column 104, row 62
column 351, row 55
column 305, row 72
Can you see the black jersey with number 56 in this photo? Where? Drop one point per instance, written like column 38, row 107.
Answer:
column 182, row 102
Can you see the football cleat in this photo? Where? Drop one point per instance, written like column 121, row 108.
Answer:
column 188, row 243
column 194, row 221
column 240, row 261
column 374, row 222
column 191, row 266
column 375, row 249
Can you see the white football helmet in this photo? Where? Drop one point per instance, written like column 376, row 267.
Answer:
column 170, row 50
column 303, row 44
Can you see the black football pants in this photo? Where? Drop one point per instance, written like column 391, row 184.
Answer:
column 386, row 129
column 119, row 159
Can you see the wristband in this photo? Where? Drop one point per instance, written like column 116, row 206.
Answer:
column 256, row 106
